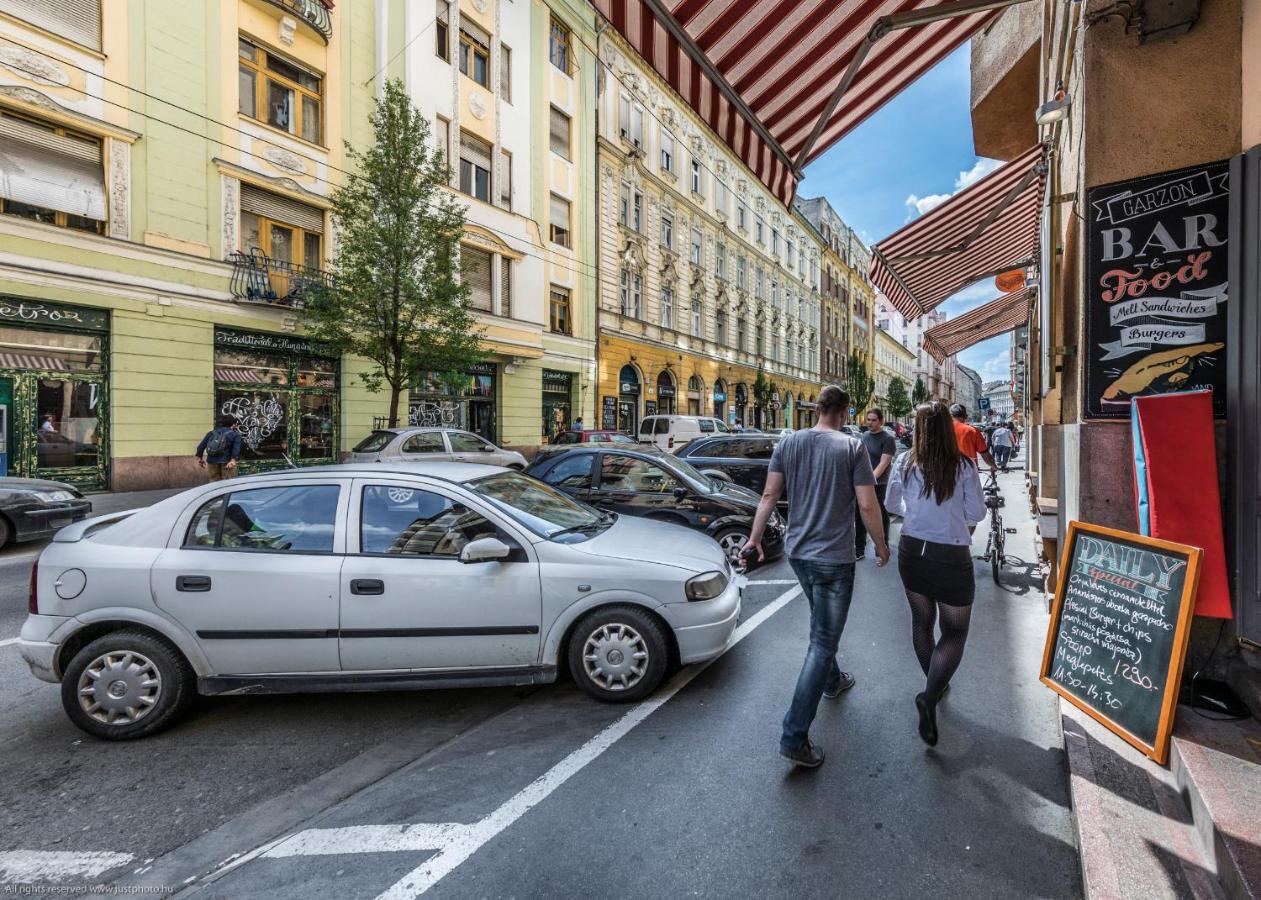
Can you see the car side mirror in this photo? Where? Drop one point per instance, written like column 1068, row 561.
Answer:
column 487, row 449
column 487, row 549
column 680, row 493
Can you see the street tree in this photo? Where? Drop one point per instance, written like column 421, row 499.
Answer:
column 898, row 401
column 919, row 393
column 859, row 382
column 763, row 392
column 394, row 295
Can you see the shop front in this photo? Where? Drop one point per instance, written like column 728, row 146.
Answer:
column 741, row 408
column 54, row 376
column 282, row 392
column 467, row 401
column 558, row 392
column 666, row 394
column 720, row 400
column 695, row 396
column 628, row 400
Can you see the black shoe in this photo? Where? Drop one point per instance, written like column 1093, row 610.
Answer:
column 858, row 557
column 927, row 719
column 808, row 756
column 847, row 681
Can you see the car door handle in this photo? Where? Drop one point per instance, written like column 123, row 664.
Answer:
column 192, row 583
column 367, row 586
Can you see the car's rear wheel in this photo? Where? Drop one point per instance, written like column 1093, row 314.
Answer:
column 618, row 654
column 6, row 532
column 732, row 540
column 125, row 685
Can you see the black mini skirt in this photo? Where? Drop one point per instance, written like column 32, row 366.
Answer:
column 941, row 572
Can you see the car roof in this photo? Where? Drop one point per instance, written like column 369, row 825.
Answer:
column 442, row 471
column 637, row 450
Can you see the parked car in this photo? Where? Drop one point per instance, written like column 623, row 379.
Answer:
column 747, row 429
column 570, row 438
column 366, row 576
column 672, row 432
column 433, row 445
column 852, row 430
column 742, row 459
column 656, row 485
column 781, row 432
column 32, row 508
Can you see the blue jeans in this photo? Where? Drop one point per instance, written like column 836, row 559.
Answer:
column 1001, row 455
column 828, row 588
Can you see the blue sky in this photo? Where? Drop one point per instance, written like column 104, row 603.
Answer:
column 913, row 153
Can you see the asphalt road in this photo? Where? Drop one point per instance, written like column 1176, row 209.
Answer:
column 544, row 792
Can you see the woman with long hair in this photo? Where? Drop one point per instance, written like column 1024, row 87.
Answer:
column 937, row 491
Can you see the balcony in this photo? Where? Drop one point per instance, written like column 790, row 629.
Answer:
column 313, row 12
column 259, row 278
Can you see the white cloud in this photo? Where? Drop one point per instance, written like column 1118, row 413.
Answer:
column 921, row 205
column 997, row 367
column 982, row 168
column 917, row 206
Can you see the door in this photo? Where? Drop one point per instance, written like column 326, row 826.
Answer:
column 407, row 600
column 254, row 575
column 472, row 449
column 6, row 431
column 639, row 487
column 67, row 433
column 425, row 445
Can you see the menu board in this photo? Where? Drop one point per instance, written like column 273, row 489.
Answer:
column 1156, row 288
column 608, row 414
column 1119, row 629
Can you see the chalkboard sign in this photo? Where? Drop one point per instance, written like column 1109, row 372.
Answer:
column 608, row 413
column 1157, row 283
column 1119, row 629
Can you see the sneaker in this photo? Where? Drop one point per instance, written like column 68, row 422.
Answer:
column 847, row 681
column 808, row 756
column 927, row 719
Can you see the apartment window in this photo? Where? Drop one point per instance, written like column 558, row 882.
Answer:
column 667, row 307
column 667, row 151
column 78, row 20
column 282, row 228
column 475, row 167
column 505, row 179
column 741, row 214
column 561, row 311
column 505, row 287
column 442, row 135
column 51, row 175
column 721, row 263
column 558, row 46
column 720, row 328
column 696, row 247
column 505, row 73
column 637, row 210
column 696, row 317
column 775, row 294
column 560, row 133
column 740, row 334
column 624, row 116
column 278, row 92
column 442, row 31
column 632, row 293
column 637, row 125
column 792, row 254
column 474, row 53
column 760, row 293
column 623, row 213
column 559, row 223
column 667, row 230
column 775, row 243
column 720, row 196
column 757, row 231
column 696, row 176
column 759, row 339
column 740, row 271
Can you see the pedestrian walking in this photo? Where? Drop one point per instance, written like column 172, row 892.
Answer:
column 1003, row 443
column 220, row 449
column 881, row 447
column 578, row 426
column 826, row 472
column 937, row 491
column 970, row 439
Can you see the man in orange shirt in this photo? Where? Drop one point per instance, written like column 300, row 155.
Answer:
column 971, row 441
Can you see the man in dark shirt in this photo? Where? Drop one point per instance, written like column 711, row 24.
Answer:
column 220, row 449
column 881, row 447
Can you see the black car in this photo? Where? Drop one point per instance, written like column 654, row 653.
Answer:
column 32, row 508
column 742, row 459
column 656, row 485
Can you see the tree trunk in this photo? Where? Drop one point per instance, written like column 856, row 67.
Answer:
column 395, row 391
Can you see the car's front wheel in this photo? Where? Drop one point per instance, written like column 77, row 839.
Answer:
column 125, row 685
column 732, row 540
column 618, row 654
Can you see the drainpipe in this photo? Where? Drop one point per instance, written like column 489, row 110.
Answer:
column 597, row 416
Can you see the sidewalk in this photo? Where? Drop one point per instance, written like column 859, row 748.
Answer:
column 111, row 501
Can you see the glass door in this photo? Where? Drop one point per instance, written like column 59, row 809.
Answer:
column 69, row 428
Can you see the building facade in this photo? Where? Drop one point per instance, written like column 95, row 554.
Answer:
column 892, row 360
column 938, row 378
column 834, row 332
column 164, row 201
column 1001, row 402
column 709, row 289
column 969, row 390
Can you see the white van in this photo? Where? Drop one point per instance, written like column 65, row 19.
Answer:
column 672, row 432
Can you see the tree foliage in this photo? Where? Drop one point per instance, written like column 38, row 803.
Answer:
column 898, row 401
column 859, row 382
column 394, row 296
column 919, row 393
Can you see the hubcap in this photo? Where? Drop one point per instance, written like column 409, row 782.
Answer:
column 119, row 687
column 615, row 657
column 732, row 544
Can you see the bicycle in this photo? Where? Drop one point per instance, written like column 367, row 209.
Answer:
column 995, row 546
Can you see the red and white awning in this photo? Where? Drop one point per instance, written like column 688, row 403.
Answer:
column 1007, row 313
column 978, row 233
column 781, row 81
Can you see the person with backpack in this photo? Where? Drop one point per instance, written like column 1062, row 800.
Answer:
column 220, row 449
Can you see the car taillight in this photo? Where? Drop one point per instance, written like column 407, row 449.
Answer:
column 32, row 605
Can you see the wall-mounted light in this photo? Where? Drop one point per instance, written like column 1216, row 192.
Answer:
column 1055, row 109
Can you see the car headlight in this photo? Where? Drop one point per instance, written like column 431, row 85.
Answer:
column 705, row 586
column 51, row 495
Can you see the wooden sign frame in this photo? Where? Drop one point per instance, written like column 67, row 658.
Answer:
column 1159, row 751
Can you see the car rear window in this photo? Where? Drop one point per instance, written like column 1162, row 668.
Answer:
column 374, row 442
column 663, row 426
column 706, row 425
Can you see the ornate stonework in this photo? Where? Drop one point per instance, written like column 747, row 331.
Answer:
column 31, row 66
column 283, row 159
column 231, row 213
column 28, row 95
column 119, row 189
column 477, row 105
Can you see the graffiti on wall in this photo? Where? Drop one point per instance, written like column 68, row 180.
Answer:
column 432, row 414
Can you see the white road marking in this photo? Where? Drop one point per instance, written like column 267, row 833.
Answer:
column 29, row 866
column 7, row 641
column 773, row 581
column 366, row 839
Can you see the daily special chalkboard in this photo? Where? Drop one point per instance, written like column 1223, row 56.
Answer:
column 1119, row 628
column 1156, row 288
column 608, row 414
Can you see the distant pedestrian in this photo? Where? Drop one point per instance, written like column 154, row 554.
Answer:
column 1003, row 442
column 881, row 447
column 577, row 426
column 970, row 439
column 220, row 449
column 826, row 473
column 937, row 491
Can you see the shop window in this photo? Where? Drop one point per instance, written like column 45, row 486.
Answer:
column 411, row 522
column 474, row 53
column 278, row 92
column 558, row 225
column 51, row 174
column 476, row 265
column 559, row 130
column 26, row 348
column 281, row 228
column 67, row 436
column 76, row 20
column 561, row 312
column 475, row 167
column 558, row 46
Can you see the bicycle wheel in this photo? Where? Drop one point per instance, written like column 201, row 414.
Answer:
column 996, row 554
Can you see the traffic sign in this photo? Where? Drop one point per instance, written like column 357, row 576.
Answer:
column 983, row 402
column 852, row 410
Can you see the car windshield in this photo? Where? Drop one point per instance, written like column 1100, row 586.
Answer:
column 374, row 442
column 538, row 506
column 684, row 471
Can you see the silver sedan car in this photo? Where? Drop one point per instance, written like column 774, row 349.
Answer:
column 433, row 445
column 366, row 577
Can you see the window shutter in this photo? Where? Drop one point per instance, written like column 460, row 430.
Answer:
column 282, row 209
column 505, row 287
column 560, row 212
column 78, row 20
column 475, row 151
column 560, row 133
column 42, row 168
column 476, row 268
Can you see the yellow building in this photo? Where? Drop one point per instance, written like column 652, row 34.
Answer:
column 892, row 360
column 706, row 281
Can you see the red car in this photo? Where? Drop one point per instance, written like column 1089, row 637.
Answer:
column 574, row 438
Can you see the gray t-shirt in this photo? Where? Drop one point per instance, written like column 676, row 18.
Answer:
column 877, row 445
column 821, row 470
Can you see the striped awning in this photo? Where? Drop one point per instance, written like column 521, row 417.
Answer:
column 239, row 375
column 978, row 233
column 781, row 81
column 1007, row 313
column 40, row 362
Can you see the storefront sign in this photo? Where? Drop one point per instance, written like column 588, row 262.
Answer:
column 269, row 343
column 665, row 390
column 1157, row 289
column 630, row 387
column 650, row 407
column 720, row 396
column 40, row 312
column 557, row 382
column 608, row 413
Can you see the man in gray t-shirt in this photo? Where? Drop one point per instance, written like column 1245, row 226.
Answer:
column 827, row 473
column 881, row 448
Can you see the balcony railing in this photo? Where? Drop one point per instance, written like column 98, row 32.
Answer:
column 259, row 278
column 313, row 12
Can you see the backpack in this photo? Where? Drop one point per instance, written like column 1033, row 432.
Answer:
column 218, row 443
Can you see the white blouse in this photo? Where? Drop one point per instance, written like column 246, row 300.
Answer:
column 923, row 517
